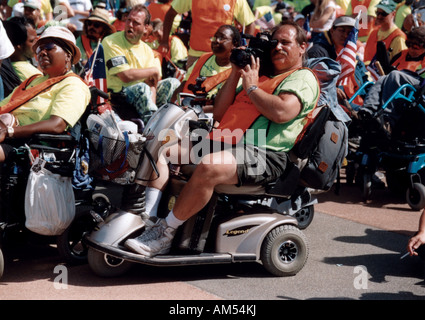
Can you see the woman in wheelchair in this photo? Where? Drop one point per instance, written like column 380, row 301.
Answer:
column 51, row 103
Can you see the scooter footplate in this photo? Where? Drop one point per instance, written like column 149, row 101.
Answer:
column 171, row 260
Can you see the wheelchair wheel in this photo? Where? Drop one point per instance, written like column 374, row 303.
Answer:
column 367, row 186
column 284, row 251
column 304, row 217
column 70, row 243
column 415, row 196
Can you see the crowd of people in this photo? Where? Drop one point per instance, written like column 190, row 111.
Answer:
column 153, row 51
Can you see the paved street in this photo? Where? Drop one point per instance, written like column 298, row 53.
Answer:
column 354, row 254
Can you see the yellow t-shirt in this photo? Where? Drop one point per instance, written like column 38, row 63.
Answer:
column 178, row 50
column 121, row 55
column 25, row 69
column 242, row 14
column 67, row 99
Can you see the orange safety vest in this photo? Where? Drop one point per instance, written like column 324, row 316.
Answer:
column 22, row 94
column 206, row 19
column 158, row 10
column 86, row 45
column 242, row 113
column 210, row 82
column 402, row 63
column 362, row 31
column 370, row 49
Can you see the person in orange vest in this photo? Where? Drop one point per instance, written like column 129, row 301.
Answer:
column 207, row 16
column 96, row 27
column 278, row 104
column 215, row 66
column 412, row 58
column 385, row 30
column 368, row 9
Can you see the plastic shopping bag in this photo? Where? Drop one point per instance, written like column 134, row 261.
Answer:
column 49, row 201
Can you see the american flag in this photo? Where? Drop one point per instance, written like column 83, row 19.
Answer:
column 95, row 75
column 266, row 22
column 373, row 69
column 347, row 55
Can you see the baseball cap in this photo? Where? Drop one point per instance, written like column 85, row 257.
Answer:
column 387, row 5
column 33, row 4
column 344, row 21
column 65, row 35
column 298, row 17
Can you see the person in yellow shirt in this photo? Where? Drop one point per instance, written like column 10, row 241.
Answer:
column 57, row 107
column 178, row 52
column 23, row 36
column 133, row 73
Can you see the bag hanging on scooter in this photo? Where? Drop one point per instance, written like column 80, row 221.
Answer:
column 49, row 201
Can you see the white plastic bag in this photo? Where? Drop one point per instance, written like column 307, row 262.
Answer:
column 49, row 201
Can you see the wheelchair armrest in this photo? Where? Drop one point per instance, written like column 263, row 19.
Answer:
column 52, row 137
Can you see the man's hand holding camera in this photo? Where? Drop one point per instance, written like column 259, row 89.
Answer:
column 250, row 75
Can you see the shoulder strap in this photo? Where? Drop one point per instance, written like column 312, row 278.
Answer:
column 87, row 45
column 196, row 70
column 22, row 95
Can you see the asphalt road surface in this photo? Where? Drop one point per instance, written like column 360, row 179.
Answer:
column 355, row 251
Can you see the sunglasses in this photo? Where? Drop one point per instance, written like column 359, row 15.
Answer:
column 93, row 23
column 219, row 39
column 381, row 13
column 47, row 46
column 414, row 45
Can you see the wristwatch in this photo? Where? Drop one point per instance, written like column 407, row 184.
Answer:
column 250, row 89
column 10, row 132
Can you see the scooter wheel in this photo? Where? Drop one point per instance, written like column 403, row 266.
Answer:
column 415, row 196
column 284, row 251
column 1, row 264
column 105, row 265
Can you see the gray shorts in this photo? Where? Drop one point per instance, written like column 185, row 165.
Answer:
column 255, row 166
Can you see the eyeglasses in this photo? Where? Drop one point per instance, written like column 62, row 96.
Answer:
column 48, row 46
column 219, row 39
column 95, row 24
column 414, row 45
column 381, row 13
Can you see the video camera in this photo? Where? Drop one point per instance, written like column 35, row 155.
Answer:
column 259, row 46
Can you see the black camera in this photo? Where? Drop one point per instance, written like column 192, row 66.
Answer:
column 259, row 46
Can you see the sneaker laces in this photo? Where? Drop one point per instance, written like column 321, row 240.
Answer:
column 152, row 232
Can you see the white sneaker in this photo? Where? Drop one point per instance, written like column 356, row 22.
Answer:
column 156, row 239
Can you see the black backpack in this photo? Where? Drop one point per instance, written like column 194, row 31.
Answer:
column 324, row 146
